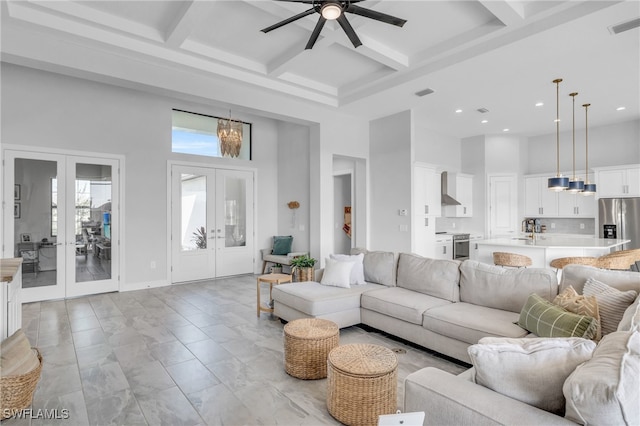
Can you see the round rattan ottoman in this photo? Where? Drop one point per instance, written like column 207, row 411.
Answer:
column 361, row 383
column 307, row 343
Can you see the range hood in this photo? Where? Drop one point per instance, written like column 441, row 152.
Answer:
column 447, row 200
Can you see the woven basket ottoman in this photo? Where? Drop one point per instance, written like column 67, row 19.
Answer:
column 307, row 343
column 362, row 383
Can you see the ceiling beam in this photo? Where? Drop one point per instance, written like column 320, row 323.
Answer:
column 191, row 16
column 508, row 12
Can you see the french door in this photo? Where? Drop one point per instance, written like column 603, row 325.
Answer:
column 212, row 223
column 65, row 223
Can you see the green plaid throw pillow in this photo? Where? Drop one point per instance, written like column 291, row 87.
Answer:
column 545, row 319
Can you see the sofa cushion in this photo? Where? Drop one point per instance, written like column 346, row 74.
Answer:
column 612, row 303
column 315, row 299
column 400, row 303
column 357, row 271
column 545, row 319
column 606, row 389
column 16, row 355
column 379, row 266
column 531, row 370
column 469, row 323
column 282, row 245
column 580, row 304
column 577, row 275
column 631, row 317
column 435, row 277
column 501, row 288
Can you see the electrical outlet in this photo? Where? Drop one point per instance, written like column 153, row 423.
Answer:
column 402, row 212
column 301, row 227
column 403, row 228
column 453, row 225
column 153, row 264
column 582, row 226
column 553, row 225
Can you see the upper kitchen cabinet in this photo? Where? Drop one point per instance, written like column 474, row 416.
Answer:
column 539, row 201
column 460, row 187
column 576, row 205
column 623, row 181
column 426, row 196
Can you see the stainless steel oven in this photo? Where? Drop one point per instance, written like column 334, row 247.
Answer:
column 460, row 246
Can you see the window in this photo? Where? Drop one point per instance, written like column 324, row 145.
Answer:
column 196, row 134
column 91, row 195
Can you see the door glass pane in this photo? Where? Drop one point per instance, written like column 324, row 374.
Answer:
column 193, row 231
column 35, row 214
column 92, row 222
column 235, row 212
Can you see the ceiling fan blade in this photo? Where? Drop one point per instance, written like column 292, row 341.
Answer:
column 316, row 32
column 346, row 26
column 299, row 1
column 378, row 16
column 289, row 20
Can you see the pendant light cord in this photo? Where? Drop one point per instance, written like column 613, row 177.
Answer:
column 557, row 81
column 573, row 96
column 586, row 139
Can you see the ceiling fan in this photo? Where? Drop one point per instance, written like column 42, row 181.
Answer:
column 330, row 10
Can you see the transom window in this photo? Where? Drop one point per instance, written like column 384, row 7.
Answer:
column 197, row 134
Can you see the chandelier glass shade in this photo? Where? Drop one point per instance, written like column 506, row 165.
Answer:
column 559, row 182
column 589, row 188
column 575, row 185
column 230, row 136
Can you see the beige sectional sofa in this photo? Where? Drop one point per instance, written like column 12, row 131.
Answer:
column 443, row 305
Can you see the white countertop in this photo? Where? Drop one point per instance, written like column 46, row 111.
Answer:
column 546, row 241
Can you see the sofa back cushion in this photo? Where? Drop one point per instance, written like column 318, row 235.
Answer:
column 379, row 266
column 577, row 275
column 434, row 277
column 507, row 289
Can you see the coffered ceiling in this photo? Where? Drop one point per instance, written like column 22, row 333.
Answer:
column 496, row 54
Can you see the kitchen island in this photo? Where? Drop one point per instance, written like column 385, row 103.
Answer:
column 544, row 248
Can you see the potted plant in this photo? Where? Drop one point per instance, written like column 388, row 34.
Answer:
column 302, row 267
column 276, row 268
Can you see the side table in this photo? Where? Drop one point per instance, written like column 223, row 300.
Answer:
column 271, row 279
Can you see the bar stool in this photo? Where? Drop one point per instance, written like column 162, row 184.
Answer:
column 615, row 260
column 561, row 262
column 511, row 259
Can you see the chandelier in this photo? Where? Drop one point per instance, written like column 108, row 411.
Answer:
column 230, row 136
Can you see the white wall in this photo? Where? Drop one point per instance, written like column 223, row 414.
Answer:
column 390, row 177
column 610, row 145
column 432, row 147
column 49, row 110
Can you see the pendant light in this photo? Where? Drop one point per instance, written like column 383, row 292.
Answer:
column 559, row 182
column 575, row 185
column 589, row 188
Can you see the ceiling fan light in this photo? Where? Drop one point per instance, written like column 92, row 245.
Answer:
column 331, row 11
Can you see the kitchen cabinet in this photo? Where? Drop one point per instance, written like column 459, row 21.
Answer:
column 461, row 188
column 539, row 201
column 473, row 245
column 576, row 205
column 618, row 181
column 426, row 207
column 426, row 182
column 443, row 247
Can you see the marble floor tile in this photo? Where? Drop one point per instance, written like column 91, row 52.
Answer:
column 193, row 354
column 62, row 409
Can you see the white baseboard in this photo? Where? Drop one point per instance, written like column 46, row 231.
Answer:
column 144, row 285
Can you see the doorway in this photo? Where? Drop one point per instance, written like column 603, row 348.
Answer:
column 65, row 219
column 342, row 219
column 212, row 223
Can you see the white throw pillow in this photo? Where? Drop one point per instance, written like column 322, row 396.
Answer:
column 631, row 317
column 336, row 273
column 611, row 303
column 531, row 370
column 606, row 389
column 357, row 271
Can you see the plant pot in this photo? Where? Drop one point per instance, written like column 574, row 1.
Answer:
column 304, row 274
column 276, row 269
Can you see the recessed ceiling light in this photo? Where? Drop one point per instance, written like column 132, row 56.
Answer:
column 505, row 130
column 621, row 108
column 484, row 121
column 539, row 104
column 458, row 111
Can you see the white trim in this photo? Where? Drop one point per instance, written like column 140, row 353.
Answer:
column 145, row 285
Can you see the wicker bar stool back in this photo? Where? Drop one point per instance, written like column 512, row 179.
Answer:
column 615, row 261
column 578, row 260
column 511, row 259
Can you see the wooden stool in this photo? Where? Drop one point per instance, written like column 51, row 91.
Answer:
column 511, row 259
column 271, row 279
column 307, row 343
column 362, row 383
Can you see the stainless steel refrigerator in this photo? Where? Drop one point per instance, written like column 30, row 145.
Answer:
column 620, row 218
